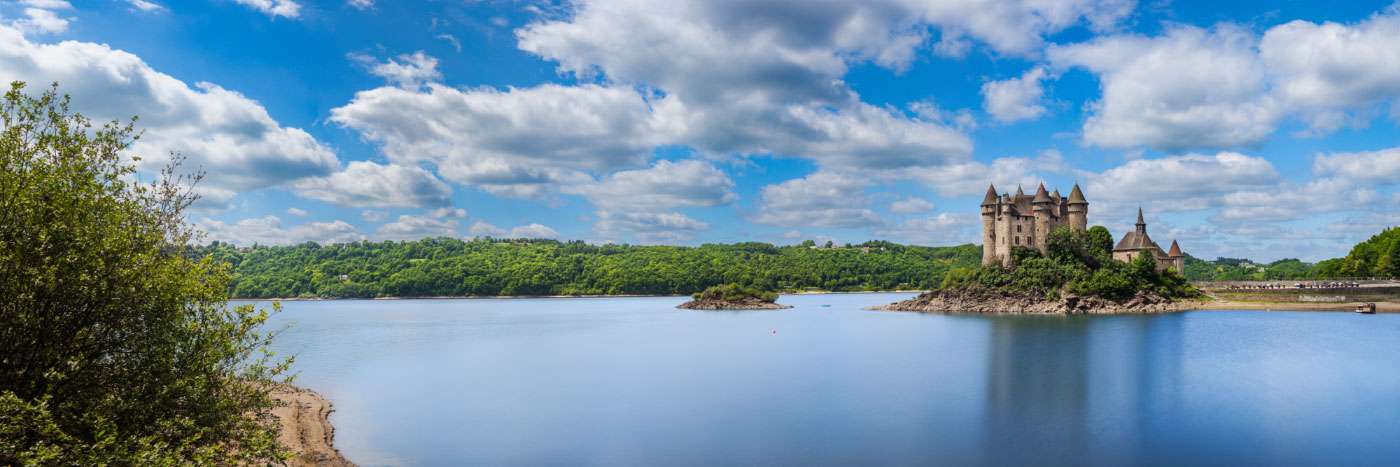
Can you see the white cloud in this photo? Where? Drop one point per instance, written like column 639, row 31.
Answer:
column 483, row 229
column 1016, row 99
column 49, row 4
column 408, row 71
column 971, row 178
column 665, row 185
column 409, row 227
column 269, row 231
column 1290, row 201
column 367, row 184
column 1374, row 167
column 456, row 44
column 448, row 211
column 230, row 136
column 494, row 139
column 822, row 199
column 296, row 212
column 944, row 229
column 910, row 206
column 360, row 4
column 373, row 216
column 274, row 8
column 40, row 21
column 1179, row 183
column 1324, row 70
column 144, row 5
column 649, row 227
column 1191, row 88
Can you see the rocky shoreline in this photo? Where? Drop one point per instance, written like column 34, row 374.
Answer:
column 984, row 301
column 745, row 304
column 306, row 430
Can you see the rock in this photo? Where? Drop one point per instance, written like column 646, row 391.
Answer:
column 745, row 304
column 989, row 301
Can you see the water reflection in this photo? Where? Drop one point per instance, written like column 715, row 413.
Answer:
column 1064, row 390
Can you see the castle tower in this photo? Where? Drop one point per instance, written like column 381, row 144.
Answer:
column 1078, row 209
column 1178, row 259
column 1042, row 206
column 1141, row 227
column 990, row 205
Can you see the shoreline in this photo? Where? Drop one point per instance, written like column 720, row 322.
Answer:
column 515, row 297
column 1331, row 307
column 305, row 427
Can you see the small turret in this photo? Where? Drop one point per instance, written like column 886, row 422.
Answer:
column 1041, row 196
column 1077, row 208
column 1076, row 196
column 991, row 198
column 1141, row 227
column 1019, row 192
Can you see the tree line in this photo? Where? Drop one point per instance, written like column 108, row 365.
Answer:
column 505, row 267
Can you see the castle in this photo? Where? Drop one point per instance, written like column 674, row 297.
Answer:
column 1134, row 242
column 1010, row 221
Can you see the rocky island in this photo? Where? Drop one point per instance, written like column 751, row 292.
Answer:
column 1068, row 271
column 733, row 297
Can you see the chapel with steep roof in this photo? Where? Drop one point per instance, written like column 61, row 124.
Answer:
column 1009, row 221
column 1134, row 242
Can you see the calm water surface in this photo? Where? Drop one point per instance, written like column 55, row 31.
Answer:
column 634, row 381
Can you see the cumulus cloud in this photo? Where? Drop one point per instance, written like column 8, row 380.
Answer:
column 1376, row 167
column 409, row 227
column 144, row 5
column 1016, row 99
column 947, row 228
column 296, row 212
column 971, row 178
column 497, row 140
column 367, row 184
column 38, row 21
column 1190, row 88
column 409, row 71
column 274, row 8
column 649, row 227
column 910, row 206
column 1324, row 70
column 483, row 229
column 822, row 199
column 1180, row 183
column 665, row 185
column 269, row 231
column 360, row 4
column 230, row 136
column 1290, row 201
column 448, row 211
column 373, row 216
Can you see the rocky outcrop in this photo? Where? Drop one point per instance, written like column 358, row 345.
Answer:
column 985, row 301
column 717, row 304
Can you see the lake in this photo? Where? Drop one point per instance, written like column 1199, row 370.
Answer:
column 636, row 382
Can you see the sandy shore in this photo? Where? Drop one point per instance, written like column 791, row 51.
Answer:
column 306, row 430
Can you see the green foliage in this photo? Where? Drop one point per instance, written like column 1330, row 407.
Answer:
column 735, row 293
column 1100, row 242
column 116, row 347
column 496, row 267
column 1378, row 256
column 1071, row 265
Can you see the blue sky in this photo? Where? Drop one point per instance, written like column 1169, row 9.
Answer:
column 1244, row 129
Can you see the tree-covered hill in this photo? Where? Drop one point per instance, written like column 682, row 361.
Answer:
column 497, row 267
column 1378, row 256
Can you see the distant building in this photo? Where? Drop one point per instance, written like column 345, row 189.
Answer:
column 1009, row 221
column 1134, row 242
column 866, row 249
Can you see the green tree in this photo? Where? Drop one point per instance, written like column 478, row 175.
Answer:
column 116, row 347
column 1100, row 241
column 1145, row 264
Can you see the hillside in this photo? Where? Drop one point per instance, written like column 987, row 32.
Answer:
column 499, row 267
column 1378, row 256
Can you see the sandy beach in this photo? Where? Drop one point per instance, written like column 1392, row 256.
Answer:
column 306, row 429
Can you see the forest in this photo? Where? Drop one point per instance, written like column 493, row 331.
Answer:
column 435, row 267
column 440, row 267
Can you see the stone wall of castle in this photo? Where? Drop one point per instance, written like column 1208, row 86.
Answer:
column 1009, row 221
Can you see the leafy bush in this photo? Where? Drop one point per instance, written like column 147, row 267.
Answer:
column 116, row 347
column 735, row 293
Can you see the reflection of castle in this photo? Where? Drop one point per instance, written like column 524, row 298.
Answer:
column 1010, row 221
column 1134, row 242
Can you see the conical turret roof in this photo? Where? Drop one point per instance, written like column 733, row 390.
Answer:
column 1019, row 192
column 1077, row 197
column 1055, row 194
column 1041, row 196
column 1139, row 221
column 1175, row 251
column 991, row 197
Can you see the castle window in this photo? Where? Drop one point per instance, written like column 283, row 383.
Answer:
column 1018, row 240
column 1018, row 229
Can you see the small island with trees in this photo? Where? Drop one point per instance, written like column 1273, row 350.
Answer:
column 733, row 297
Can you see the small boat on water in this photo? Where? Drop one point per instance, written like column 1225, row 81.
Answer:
column 826, row 306
column 1368, row 308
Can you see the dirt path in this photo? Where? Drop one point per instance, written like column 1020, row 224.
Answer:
column 306, row 430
